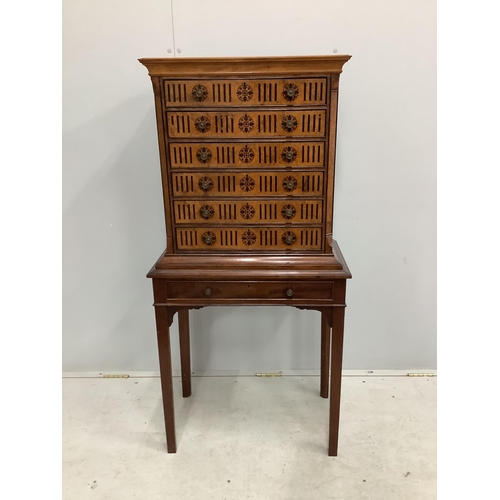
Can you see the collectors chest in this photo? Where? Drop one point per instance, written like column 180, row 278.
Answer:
column 247, row 153
column 247, row 149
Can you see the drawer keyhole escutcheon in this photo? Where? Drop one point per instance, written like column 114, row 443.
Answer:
column 246, row 123
column 247, row 211
column 244, row 92
column 289, row 292
column 208, row 292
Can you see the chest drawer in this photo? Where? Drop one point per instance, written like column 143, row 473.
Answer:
column 248, row 211
column 213, row 290
column 249, row 239
column 247, row 184
column 244, row 92
column 251, row 154
column 287, row 123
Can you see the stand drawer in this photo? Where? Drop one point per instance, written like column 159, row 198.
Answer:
column 212, row 290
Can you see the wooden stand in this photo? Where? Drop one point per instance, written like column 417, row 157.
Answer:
column 181, row 283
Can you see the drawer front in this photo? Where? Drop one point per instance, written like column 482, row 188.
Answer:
column 248, row 212
column 241, row 124
column 265, row 92
column 213, row 290
column 210, row 184
column 249, row 238
column 255, row 154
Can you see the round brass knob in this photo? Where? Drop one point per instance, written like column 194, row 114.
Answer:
column 289, row 212
column 204, row 155
column 289, row 124
column 205, row 213
column 289, row 292
column 199, row 93
column 205, row 184
column 289, row 238
column 289, row 155
column 202, row 124
column 208, row 238
column 290, row 92
column 290, row 185
column 208, row 292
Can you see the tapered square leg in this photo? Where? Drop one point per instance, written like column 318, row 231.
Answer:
column 336, row 378
column 185, row 349
column 164, row 351
column 325, row 356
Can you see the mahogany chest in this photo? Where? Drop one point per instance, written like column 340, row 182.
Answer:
column 247, row 149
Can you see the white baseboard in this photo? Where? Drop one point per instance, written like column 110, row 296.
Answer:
column 243, row 373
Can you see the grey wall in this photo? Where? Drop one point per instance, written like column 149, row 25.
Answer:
column 385, row 206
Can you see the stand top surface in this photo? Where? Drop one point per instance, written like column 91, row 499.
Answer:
column 252, row 267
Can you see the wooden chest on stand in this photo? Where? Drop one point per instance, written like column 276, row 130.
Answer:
column 247, row 151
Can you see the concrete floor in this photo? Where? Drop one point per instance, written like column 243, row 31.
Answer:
column 249, row 438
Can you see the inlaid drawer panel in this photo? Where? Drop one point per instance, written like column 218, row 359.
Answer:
column 248, row 212
column 248, row 184
column 248, row 290
column 254, row 154
column 270, row 92
column 289, row 123
column 249, row 239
